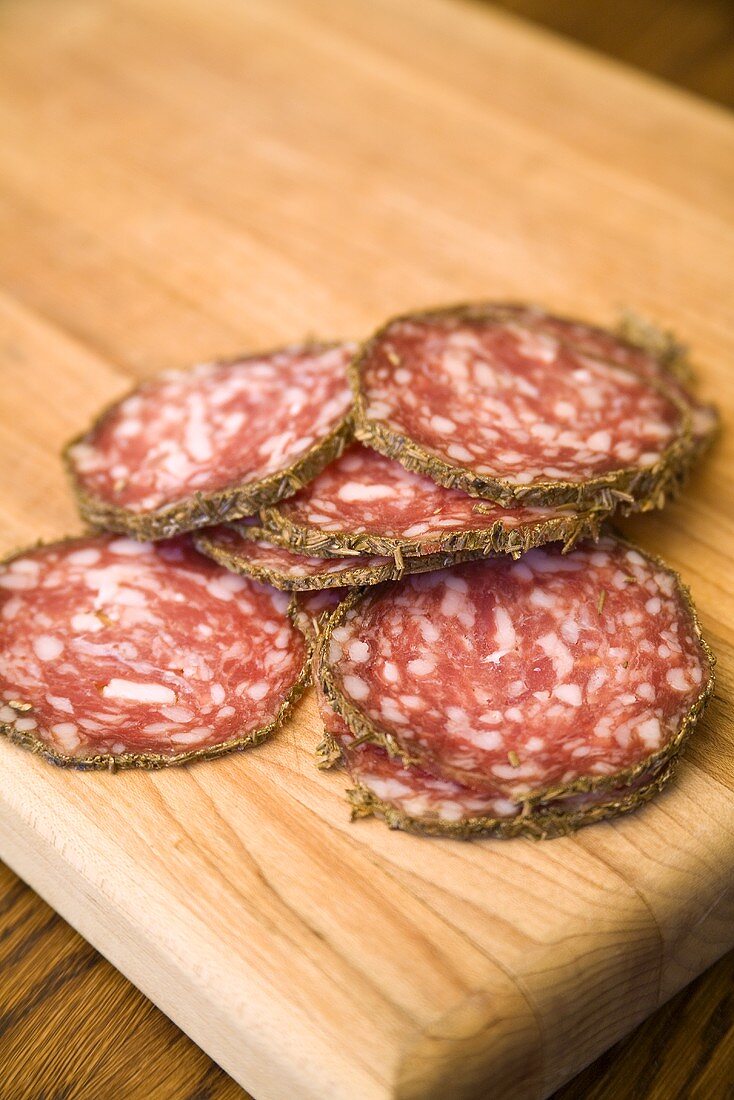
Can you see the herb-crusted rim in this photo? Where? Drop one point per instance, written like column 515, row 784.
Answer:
column 154, row 761
column 540, row 823
column 567, row 528
column 636, row 488
column 216, row 506
column 360, row 575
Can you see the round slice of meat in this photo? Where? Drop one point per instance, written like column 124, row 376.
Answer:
column 637, row 345
column 537, row 678
column 365, row 502
column 117, row 653
column 411, row 798
column 245, row 549
column 483, row 404
column 416, row 801
column 191, row 448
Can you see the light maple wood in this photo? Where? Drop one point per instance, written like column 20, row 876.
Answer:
column 180, row 179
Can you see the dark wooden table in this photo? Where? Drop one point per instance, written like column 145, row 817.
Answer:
column 72, row 1028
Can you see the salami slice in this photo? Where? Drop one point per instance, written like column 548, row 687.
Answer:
column 368, row 503
column 245, row 549
column 481, row 403
column 191, row 448
column 117, row 653
column 414, row 799
column 637, row 345
column 537, row 678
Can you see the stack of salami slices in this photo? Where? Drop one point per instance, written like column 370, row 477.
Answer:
column 422, row 521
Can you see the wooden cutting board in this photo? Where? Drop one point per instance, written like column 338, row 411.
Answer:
column 186, row 178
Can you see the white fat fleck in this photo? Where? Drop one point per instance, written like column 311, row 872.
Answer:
column 25, row 725
column 137, row 692
column 458, row 452
column 540, row 598
column 650, row 732
column 64, row 729
column 58, row 702
column 356, row 687
column 47, row 648
column 521, row 571
column 429, row 631
column 218, row 589
column 233, row 582
column 600, row 442
column 487, row 739
column 457, row 583
column 568, row 693
column 258, row 691
column 226, row 712
column 190, row 737
column 177, row 714
column 505, row 631
column 129, row 547
column 88, row 556
column 597, row 679
column 353, row 491
column 495, row 657
column 654, row 605
column 359, row 652
column 86, row 622
column 390, row 672
column 421, row 667
column 217, row 694
column 7, row 714
column 442, row 425
column 559, row 654
column 453, row 603
column 677, row 679
column 12, row 607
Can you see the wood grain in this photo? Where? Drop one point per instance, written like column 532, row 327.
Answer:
column 179, row 180
column 683, row 41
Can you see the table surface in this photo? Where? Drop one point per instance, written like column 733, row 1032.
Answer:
column 65, row 1014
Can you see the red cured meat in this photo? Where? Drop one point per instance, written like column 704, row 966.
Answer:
column 524, row 676
column 414, row 798
column 364, row 496
column 217, row 428
column 499, row 409
column 600, row 342
column 140, row 653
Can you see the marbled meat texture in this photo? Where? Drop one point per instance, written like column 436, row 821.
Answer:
column 527, row 675
column 510, row 403
column 213, row 427
column 605, row 344
column 112, row 646
column 364, row 493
